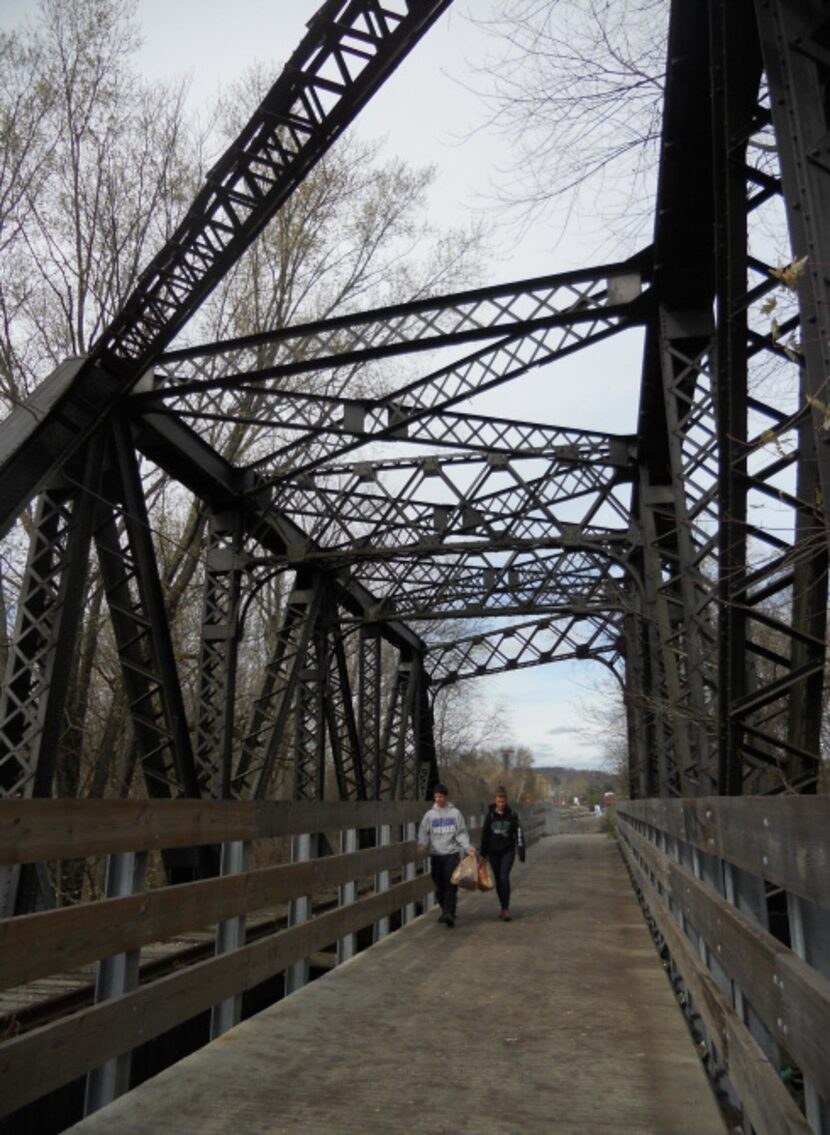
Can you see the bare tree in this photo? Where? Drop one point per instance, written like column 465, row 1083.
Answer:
column 98, row 168
column 95, row 188
column 575, row 88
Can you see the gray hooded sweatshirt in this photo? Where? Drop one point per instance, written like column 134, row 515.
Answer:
column 443, row 832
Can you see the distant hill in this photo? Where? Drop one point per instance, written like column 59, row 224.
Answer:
column 557, row 773
column 588, row 784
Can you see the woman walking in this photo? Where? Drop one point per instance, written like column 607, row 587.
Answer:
column 501, row 839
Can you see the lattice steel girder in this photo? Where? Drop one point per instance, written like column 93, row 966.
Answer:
column 773, row 589
column 676, row 764
column 469, row 432
column 369, row 705
column 465, row 584
column 418, row 757
column 391, row 417
column 41, row 653
column 516, row 647
column 794, row 41
column 419, row 325
column 310, row 715
column 37, row 438
column 480, row 433
column 350, row 49
column 264, row 740
column 794, row 38
column 729, row 426
column 225, row 564
column 733, row 109
column 639, row 713
column 426, row 761
column 346, row 742
column 191, row 461
column 141, row 626
column 367, row 509
column 683, row 283
column 309, row 430
column 686, row 541
column 397, row 746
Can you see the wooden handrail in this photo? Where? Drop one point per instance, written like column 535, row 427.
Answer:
column 782, row 840
column 55, row 941
column 46, row 1058
column 35, row 830
column 40, row 945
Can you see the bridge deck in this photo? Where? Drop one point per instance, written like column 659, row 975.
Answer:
column 561, row 1021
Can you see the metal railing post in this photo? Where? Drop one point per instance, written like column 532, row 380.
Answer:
column 299, row 910
column 409, row 872
column 117, row 975
column 347, row 893
column 230, row 935
column 809, row 938
column 384, row 839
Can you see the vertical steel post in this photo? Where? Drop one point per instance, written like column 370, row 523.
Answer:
column 383, row 839
column 369, row 694
column 219, row 649
column 410, row 871
column 810, row 940
column 346, row 946
column 299, row 911
column 116, row 976
column 230, row 935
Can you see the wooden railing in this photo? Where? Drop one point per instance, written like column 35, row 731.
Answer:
column 718, row 875
column 363, row 888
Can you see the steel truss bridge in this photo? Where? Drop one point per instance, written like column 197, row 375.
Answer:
column 690, row 559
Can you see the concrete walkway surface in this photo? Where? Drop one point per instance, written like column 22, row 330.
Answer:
column 561, row 1022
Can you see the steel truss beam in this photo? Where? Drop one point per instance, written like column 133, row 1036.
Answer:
column 774, row 583
column 520, row 645
column 477, row 584
column 38, row 661
column 130, row 577
column 731, row 507
column 322, row 428
column 350, row 49
column 225, row 564
column 480, row 313
column 696, row 555
column 509, row 500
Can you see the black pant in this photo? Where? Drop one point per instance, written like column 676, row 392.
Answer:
column 502, row 864
column 446, row 893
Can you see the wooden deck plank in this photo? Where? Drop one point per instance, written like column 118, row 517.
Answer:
column 562, row 1021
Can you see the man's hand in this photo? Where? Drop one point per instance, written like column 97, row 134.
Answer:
column 421, row 849
column 471, row 851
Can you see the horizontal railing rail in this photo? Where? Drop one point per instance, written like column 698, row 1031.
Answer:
column 738, row 890
column 371, row 886
column 32, row 830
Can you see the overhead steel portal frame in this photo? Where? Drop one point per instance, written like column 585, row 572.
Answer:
column 691, row 559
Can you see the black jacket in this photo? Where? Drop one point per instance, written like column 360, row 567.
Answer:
column 502, row 832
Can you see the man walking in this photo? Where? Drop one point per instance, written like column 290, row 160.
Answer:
column 443, row 834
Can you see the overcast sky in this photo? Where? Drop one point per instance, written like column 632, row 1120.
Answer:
column 428, row 115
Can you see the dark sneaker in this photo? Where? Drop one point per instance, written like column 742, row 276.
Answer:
column 505, row 916
column 443, row 917
column 449, row 920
